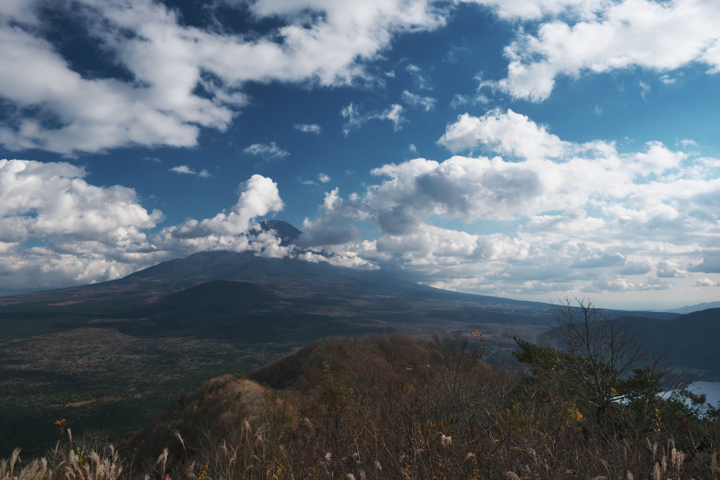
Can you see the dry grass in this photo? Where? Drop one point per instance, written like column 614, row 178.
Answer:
column 384, row 408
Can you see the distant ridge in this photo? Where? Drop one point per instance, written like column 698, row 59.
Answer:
column 690, row 339
column 696, row 308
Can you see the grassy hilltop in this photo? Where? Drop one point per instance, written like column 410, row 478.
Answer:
column 387, row 407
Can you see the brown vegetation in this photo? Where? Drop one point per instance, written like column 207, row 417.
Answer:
column 391, row 407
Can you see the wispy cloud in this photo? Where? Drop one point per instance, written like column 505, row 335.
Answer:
column 308, row 128
column 459, row 100
column 421, row 80
column 321, row 178
column 184, row 169
column 427, row 103
column 267, row 150
column 354, row 119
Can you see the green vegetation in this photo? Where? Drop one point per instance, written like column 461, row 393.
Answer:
column 386, row 407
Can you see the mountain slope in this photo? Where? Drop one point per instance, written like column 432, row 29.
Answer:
column 696, row 308
column 690, row 339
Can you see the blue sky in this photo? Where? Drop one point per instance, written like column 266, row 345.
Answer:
column 530, row 149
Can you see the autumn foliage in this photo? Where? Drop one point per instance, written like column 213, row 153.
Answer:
column 392, row 407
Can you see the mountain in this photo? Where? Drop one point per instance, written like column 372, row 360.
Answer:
column 218, row 293
column 696, row 308
column 690, row 340
column 284, row 230
column 112, row 355
column 239, row 294
column 242, row 292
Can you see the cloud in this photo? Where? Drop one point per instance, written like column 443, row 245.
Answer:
column 612, row 285
column 580, row 37
column 91, row 233
column 270, row 150
column 710, row 263
column 420, row 80
column 508, row 133
column 555, row 216
column 228, row 230
column 599, row 260
column 538, row 9
column 427, row 103
column 322, row 178
column 635, row 268
column 88, row 233
column 346, row 259
column 184, row 169
column 57, row 230
column 643, row 204
column 308, row 128
column 394, row 114
column 180, row 78
column 460, row 100
column 704, row 282
column 354, row 119
column 333, row 224
column 451, row 56
column 668, row 269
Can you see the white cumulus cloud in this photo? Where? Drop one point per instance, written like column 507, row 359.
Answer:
column 170, row 62
column 583, row 217
column 91, row 233
column 579, row 37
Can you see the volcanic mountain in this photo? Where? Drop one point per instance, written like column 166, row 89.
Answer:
column 241, row 294
column 114, row 354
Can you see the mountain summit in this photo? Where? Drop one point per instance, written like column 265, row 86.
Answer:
column 285, row 230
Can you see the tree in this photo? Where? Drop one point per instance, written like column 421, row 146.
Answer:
column 599, row 363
